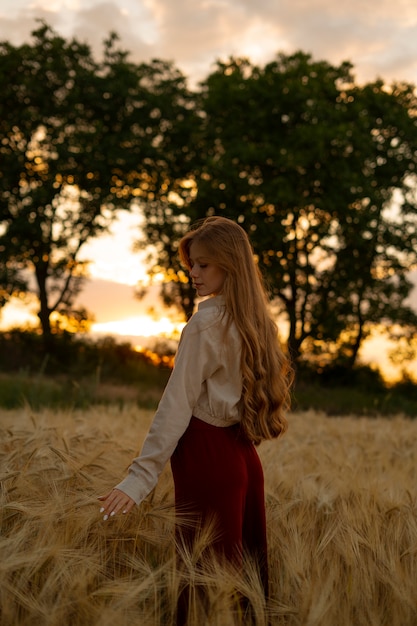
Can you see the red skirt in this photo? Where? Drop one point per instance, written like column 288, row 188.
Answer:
column 218, row 479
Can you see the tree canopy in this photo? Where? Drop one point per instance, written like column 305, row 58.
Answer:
column 80, row 139
column 319, row 170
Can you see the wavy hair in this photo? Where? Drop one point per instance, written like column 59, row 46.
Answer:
column 266, row 370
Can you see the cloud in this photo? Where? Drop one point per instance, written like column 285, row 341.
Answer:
column 135, row 28
column 91, row 24
column 379, row 39
column 380, row 42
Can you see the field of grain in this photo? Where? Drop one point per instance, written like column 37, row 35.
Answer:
column 342, row 519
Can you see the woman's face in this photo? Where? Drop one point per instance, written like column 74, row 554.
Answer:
column 207, row 277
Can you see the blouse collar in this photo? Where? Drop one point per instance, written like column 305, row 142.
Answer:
column 212, row 301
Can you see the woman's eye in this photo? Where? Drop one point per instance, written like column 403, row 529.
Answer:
column 203, row 266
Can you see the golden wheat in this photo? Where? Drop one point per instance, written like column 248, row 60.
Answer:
column 342, row 520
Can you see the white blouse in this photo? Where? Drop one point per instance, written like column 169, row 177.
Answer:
column 205, row 382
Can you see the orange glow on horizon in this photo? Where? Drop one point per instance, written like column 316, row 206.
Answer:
column 155, row 358
column 140, row 326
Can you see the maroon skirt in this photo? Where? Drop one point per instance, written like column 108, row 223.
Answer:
column 219, row 480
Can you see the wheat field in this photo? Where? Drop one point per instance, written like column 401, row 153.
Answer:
column 342, row 522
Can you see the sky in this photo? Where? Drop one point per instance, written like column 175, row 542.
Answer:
column 379, row 37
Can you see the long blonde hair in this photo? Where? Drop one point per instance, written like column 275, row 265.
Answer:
column 266, row 371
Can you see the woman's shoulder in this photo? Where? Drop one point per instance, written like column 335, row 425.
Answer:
column 211, row 313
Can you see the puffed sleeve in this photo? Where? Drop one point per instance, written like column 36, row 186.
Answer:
column 196, row 360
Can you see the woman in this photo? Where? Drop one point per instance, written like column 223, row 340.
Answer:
column 228, row 391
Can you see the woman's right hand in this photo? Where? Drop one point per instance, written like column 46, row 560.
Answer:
column 114, row 502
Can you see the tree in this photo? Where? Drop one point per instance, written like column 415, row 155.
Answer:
column 321, row 173
column 11, row 284
column 80, row 140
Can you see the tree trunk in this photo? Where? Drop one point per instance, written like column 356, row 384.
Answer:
column 293, row 342
column 357, row 344
column 44, row 313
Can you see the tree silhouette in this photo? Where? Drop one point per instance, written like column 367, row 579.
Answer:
column 80, row 140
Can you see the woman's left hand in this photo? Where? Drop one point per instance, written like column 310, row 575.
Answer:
column 114, row 502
